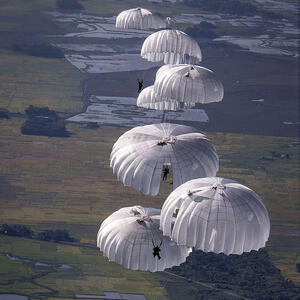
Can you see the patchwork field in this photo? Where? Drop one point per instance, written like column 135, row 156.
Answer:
column 88, row 273
column 66, row 183
column 26, row 80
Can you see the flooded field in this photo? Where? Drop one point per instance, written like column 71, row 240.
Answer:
column 281, row 38
column 122, row 111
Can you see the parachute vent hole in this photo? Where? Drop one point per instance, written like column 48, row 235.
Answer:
column 219, row 187
column 135, row 212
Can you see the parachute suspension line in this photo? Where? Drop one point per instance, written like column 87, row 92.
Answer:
column 140, row 84
column 163, row 117
column 156, row 247
column 143, row 73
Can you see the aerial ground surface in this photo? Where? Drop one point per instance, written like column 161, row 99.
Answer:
column 50, row 183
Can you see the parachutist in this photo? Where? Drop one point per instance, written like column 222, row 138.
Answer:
column 158, row 46
column 156, row 251
column 166, row 171
column 139, row 18
column 178, row 141
column 140, row 85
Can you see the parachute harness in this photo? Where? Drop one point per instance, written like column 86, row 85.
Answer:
column 217, row 187
column 142, row 218
column 167, row 140
column 192, row 73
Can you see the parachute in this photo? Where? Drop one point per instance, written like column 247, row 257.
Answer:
column 181, row 86
column 140, row 154
column 188, row 83
column 216, row 214
column 172, row 47
column 139, row 18
column 148, row 99
column 131, row 237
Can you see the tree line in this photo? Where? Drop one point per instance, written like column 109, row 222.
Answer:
column 252, row 275
column 58, row 235
column 43, row 121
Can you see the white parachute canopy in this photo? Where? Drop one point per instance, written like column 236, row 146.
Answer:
column 217, row 215
column 139, row 155
column 185, row 83
column 140, row 18
column 129, row 235
column 172, row 47
column 148, row 99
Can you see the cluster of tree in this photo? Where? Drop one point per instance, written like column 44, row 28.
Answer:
column 16, row 230
column 59, row 235
column 92, row 125
column 43, row 121
column 234, row 7
column 252, row 275
column 202, row 30
column 69, row 4
column 40, row 50
column 36, row 111
column 4, row 113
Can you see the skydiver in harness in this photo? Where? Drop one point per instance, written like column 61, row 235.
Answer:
column 140, row 85
column 156, row 250
column 166, row 171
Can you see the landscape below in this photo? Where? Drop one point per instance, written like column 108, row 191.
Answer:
column 50, row 183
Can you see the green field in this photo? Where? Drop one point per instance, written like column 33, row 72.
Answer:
column 26, row 80
column 91, row 273
column 66, row 183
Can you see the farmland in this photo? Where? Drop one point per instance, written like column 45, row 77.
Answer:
column 66, row 183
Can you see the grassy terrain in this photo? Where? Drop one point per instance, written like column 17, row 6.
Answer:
column 91, row 273
column 66, row 183
column 18, row 8
column 26, row 80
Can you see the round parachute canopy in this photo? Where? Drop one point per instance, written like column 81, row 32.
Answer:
column 187, row 83
column 140, row 154
column 130, row 235
column 216, row 214
column 139, row 18
column 172, row 47
column 148, row 99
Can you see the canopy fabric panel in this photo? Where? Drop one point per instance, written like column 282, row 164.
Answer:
column 139, row 155
column 172, row 47
column 216, row 214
